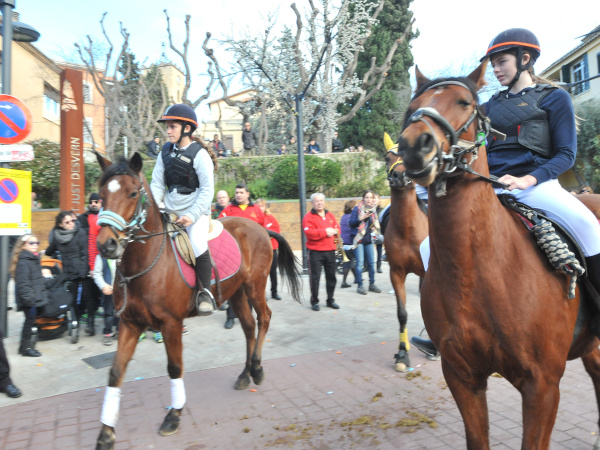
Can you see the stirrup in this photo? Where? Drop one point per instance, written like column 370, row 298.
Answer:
column 205, row 307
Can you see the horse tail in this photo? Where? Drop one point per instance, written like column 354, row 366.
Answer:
column 289, row 265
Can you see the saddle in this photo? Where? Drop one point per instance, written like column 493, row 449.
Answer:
column 558, row 244
column 182, row 240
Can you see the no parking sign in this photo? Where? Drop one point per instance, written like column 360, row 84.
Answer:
column 15, row 202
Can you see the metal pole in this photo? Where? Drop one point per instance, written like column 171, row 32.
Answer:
column 301, row 177
column 7, row 37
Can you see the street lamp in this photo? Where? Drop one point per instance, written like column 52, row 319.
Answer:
column 20, row 32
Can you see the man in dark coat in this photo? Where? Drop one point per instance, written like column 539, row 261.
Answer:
column 6, row 384
column 249, row 139
column 153, row 147
column 336, row 144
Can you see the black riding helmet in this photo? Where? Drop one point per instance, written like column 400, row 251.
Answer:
column 517, row 39
column 182, row 114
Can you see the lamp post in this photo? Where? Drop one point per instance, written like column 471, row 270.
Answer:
column 11, row 31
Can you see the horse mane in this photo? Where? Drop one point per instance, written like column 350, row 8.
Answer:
column 120, row 167
column 464, row 80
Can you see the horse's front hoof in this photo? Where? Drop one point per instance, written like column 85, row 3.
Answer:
column 171, row 423
column 106, row 439
column 258, row 376
column 242, row 383
column 402, row 361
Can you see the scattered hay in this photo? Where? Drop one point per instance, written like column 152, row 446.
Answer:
column 411, row 375
column 246, row 430
column 416, row 420
column 377, row 397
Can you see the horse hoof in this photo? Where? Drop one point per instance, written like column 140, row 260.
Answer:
column 400, row 367
column 171, row 423
column 258, row 376
column 241, row 383
column 106, row 438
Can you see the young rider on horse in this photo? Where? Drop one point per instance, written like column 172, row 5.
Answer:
column 541, row 143
column 183, row 179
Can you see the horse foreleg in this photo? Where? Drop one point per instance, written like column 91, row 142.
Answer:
column 173, row 344
column 239, row 303
column 470, row 397
column 263, row 317
column 398, row 279
column 128, row 337
column 591, row 362
column 541, row 396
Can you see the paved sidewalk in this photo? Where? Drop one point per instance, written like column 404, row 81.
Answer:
column 329, row 384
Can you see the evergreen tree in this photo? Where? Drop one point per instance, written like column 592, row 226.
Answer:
column 385, row 110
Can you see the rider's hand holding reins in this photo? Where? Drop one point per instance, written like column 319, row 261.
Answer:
column 184, row 221
column 521, row 183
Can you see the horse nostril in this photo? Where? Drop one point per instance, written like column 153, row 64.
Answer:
column 425, row 142
column 109, row 246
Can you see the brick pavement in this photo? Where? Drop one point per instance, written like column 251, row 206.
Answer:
column 312, row 397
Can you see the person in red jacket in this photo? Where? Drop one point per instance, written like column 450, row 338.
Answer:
column 241, row 206
column 321, row 229
column 271, row 224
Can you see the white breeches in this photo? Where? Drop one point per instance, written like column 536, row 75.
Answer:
column 198, row 233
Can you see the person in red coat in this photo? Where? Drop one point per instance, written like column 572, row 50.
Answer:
column 241, row 206
column 321, row 229
column 271, row 224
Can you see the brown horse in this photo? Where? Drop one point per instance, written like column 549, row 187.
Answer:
column 490, row 300
column 592, row 201
column 405, row 231
column 150, row 292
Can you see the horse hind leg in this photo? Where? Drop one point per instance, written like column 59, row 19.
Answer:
column 591, row 362
column 263, row 316
column 241, row 307
column 174, row 346
column 128, row 337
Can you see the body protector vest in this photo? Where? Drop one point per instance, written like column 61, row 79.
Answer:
column 179, row 169
column 522, row 120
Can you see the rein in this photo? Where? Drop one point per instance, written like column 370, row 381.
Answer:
column 447, row 164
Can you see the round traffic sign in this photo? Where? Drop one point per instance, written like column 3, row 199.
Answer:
column 9, row 191
column 15, row 120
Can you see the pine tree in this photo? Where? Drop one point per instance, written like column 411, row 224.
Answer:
column 385, row 110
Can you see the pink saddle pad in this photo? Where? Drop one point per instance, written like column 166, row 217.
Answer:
column 225, row 252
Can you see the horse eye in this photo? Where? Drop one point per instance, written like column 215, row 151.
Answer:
column 387, row 159
column 463, row 103
column 133, row 194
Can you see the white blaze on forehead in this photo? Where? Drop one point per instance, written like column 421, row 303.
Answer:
column 114, row 186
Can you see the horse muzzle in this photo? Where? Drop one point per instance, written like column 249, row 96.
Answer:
column 420, row 159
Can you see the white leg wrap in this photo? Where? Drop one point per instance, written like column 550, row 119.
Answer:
column 110, row 407
column 177, row 393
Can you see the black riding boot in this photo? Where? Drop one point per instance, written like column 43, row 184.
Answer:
column 205, row 301
column 593, row 275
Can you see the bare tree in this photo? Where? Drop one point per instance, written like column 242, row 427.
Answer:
column 327, row 39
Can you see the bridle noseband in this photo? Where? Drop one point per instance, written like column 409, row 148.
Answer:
column 448, row 163
column 402, row 181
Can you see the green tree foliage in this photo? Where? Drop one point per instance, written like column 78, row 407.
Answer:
column 321, row 175
column 45, row 171
column 384, row 111
column 587, row 164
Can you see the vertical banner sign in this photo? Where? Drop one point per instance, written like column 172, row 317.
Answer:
column 15, row 202
column 72, row 170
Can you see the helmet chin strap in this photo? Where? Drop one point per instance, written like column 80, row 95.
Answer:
column 183, row 133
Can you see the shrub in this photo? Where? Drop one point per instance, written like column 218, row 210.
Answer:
column 321, row 175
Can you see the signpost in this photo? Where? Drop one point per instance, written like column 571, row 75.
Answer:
column 15, row 202
column 15, row 120
column 14, row 153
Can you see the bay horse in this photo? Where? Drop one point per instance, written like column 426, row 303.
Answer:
column 150, row 292
column 406, row 229
column 592, row 201
column 490, row 300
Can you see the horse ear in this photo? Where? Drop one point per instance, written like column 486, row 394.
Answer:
column 104, row 163
column 421, row 79
column 135, row 163
column 387, row 142
column 478, row 75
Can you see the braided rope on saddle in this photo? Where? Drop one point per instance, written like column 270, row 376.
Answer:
column 182, row 240
column 557, row 251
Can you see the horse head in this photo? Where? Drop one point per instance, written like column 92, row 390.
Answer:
column 396, row 172
column 441, row 130
column 124, row 193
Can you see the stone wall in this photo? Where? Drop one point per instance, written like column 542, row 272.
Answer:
column 287, row 214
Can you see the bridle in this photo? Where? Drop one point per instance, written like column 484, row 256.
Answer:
column 448, row 163
column 130, row 230
column 401, row 181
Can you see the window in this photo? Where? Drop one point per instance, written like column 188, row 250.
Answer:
column 88, row 96
column 580, row 72
column 88, row 127
column 51, row 103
